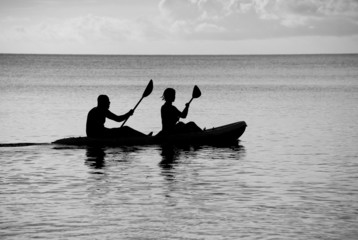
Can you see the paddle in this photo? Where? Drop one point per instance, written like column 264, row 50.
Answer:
column 148, row 90
column 196, row 93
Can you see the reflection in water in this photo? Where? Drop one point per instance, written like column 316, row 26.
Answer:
column 95, row 157
column 235, row 152
column 187, row 168
column 171, row 155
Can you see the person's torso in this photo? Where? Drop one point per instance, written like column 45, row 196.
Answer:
column 95, row 121
column 170, row 116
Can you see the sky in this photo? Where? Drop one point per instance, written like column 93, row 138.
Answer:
column 179, row 26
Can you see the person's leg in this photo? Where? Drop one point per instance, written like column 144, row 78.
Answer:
column 192, row 127
column 132, row 132
column 189, row 127
column 125, row 132
column 179, row 128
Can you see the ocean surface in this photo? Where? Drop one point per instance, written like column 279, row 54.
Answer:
column 292, row 175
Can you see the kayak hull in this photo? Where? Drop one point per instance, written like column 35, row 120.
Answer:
column 226, row 134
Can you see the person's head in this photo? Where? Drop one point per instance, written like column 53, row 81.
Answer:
column 169, row 95
column 103, row 101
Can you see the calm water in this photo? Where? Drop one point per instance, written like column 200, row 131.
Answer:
column 293, row 175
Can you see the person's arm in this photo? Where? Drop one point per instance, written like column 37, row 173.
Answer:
column 184, row 113
column 119, row 118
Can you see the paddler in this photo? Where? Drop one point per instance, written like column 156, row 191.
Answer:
column 171, row 115
column 97, row 117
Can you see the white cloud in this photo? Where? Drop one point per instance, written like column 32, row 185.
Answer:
column 183, row 20
column 80, row 29
column 209, row 28
column 194, row 19
column 177, row 10
column 299, row 13
column 281, row 17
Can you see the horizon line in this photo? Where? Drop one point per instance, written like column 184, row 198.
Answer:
column 168, row 54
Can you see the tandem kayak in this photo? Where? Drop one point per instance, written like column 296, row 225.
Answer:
column 226, row 134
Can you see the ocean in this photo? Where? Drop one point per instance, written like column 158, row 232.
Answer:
column 292, row 175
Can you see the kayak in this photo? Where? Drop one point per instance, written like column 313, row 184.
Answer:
column 226, row 134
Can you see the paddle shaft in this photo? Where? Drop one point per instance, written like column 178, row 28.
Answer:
column 190, row 100
column 148, row 90
column 133, row 111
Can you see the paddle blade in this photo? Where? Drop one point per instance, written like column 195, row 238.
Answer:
column 196, row 92
column 148, row 90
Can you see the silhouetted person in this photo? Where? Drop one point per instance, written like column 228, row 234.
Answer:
column 97, row 117
column 171, row 115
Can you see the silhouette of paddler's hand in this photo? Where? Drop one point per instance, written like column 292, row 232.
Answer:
column 187, row 105
column 130, row 113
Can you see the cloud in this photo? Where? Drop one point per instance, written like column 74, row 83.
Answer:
column 240, row 19
column 81, row 29
column 293, row 13
column 180, row 20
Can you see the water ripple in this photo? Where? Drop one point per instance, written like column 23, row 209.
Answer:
column 175, row 192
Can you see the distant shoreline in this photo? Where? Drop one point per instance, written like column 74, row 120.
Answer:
column 180, row 55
